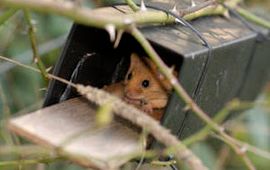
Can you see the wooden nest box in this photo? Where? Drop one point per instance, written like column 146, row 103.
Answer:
column 237, row 67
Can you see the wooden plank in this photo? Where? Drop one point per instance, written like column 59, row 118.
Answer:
column 70, row 127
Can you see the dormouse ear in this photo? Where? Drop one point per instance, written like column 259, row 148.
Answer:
column 174, row 72
column 167, row 85
column 134, row 60
column 155, row 68
column 150, row 63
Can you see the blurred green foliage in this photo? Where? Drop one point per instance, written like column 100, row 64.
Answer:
column 22, row 86
column 22, row 91
column 251, row 126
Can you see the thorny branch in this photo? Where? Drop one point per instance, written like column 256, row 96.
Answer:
column 144, row 121
column 240, row 143
column 88, row 17
column 196, row 8
column 185, row 97
column 132, row 114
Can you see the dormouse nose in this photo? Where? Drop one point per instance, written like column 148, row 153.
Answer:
column 133, row 93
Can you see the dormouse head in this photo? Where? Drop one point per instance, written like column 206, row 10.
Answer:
column 143, row 80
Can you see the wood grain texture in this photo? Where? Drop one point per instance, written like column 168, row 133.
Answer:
column 70, row 127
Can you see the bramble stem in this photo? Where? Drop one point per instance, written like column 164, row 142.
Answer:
column 32, row 36
column 132, row 5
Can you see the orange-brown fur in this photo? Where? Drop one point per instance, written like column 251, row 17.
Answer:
column 152, row 98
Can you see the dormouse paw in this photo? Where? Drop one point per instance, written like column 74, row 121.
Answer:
column 147, row 108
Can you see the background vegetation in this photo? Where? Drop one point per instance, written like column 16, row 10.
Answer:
column 22, row 91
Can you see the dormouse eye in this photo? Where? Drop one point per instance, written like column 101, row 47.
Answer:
column 145, row 83
column 129, row 76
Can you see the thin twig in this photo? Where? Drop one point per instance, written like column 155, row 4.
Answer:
column 207, row 11
column 240, row 152
column 234, row 105
column 44, row 48
column 223, row 155
column 6, row 15
column 248, row 147
column 29, row 162
column 50, row 76
column 143, row 143
column 24, row 151
column 253, row 18
column 132, row 5
column 163, row 163
column 32, row 36
column 7, row 137
column 205, row 131
column 197, row 7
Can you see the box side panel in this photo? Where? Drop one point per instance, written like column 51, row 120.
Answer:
column 217, row 31
column 224, row 76
column 190, row 73
column 224, row 72
column 81, row 41
column 258, row 72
